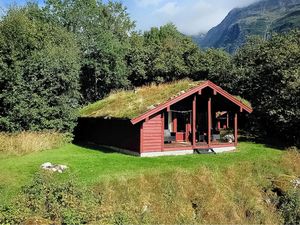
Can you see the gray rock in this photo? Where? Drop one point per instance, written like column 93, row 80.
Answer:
column 54, row 168
column 46, row 165
column 296, row 183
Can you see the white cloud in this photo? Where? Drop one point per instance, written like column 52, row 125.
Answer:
column 146, row 3
column 170, row 9
column 242, row 3
column 195, row 16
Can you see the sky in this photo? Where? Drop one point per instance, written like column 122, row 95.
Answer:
column 190, row 16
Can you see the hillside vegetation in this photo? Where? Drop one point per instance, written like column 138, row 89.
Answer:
column 261, row 18
column 253, row 185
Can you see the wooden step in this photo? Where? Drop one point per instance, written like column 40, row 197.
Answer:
column 204, row 151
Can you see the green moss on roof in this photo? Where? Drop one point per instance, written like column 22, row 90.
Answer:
column 244, row 101
column 130, row 104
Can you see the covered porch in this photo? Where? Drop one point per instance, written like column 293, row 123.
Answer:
column 205, row 120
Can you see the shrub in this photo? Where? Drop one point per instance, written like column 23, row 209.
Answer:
column 289, row 205
column 48, row 199
column 26, row 142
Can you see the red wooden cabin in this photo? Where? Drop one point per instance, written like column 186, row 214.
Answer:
column 187, row 122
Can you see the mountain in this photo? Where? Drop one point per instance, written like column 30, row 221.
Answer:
column 261, row 18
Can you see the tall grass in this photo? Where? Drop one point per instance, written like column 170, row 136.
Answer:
column 291, row 160
column 243, row 193
column 230, row 197
column 27, row 142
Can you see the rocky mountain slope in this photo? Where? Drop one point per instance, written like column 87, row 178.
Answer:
column 260, row 18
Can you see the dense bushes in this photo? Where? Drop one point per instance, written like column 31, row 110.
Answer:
column 269, row 77
column 289, row 206
column 49, row 53
column 27, row 142
column 49, row 200
column 38, row 73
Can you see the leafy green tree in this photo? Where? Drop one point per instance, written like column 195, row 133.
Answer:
column 138, row 59
column 270, row 79
column 38, row 73
column 169, row 54
column 215, row 65
column 102, row 32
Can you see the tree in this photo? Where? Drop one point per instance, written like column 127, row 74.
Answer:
column 215, row 65
column 174, row 51
column 102, row 32
column 161, row 55
column 270, row 79
column 138, row 59
column 38, row 73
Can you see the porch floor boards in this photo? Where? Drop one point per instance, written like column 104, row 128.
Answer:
column 199, row 145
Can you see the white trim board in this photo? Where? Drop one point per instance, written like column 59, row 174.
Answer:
column 166, row 153
column 223, row 149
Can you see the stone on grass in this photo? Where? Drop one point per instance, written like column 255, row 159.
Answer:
column 296, row 182
column 54, row 168
column 46, row 165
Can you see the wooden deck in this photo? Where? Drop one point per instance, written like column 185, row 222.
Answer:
column 178, row 146
column 199, row 145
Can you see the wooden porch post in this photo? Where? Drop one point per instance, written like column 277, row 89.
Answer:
column 194, row 122
column 162, row 131
column 235, row 129
column 209, row 121
column 141, row 137
column 219, row 125
column 174, row 124
column 227, row 120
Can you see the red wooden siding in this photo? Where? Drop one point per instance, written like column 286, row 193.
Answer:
column 235, row 128
column 152, row 134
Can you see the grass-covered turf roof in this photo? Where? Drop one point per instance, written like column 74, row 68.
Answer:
column 129, row 104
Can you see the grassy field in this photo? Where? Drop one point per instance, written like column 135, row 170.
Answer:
column 91, row 166
column 104, row 187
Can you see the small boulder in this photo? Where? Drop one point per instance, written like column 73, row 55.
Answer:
column 296, row 182
column 62, row 167
column 54, row 168
column 46, row 165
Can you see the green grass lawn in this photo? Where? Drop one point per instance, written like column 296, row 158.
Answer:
column 89, row 166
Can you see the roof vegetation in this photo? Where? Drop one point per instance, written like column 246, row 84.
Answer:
column 244, row 101
column 132, row 103
column 128, row 104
